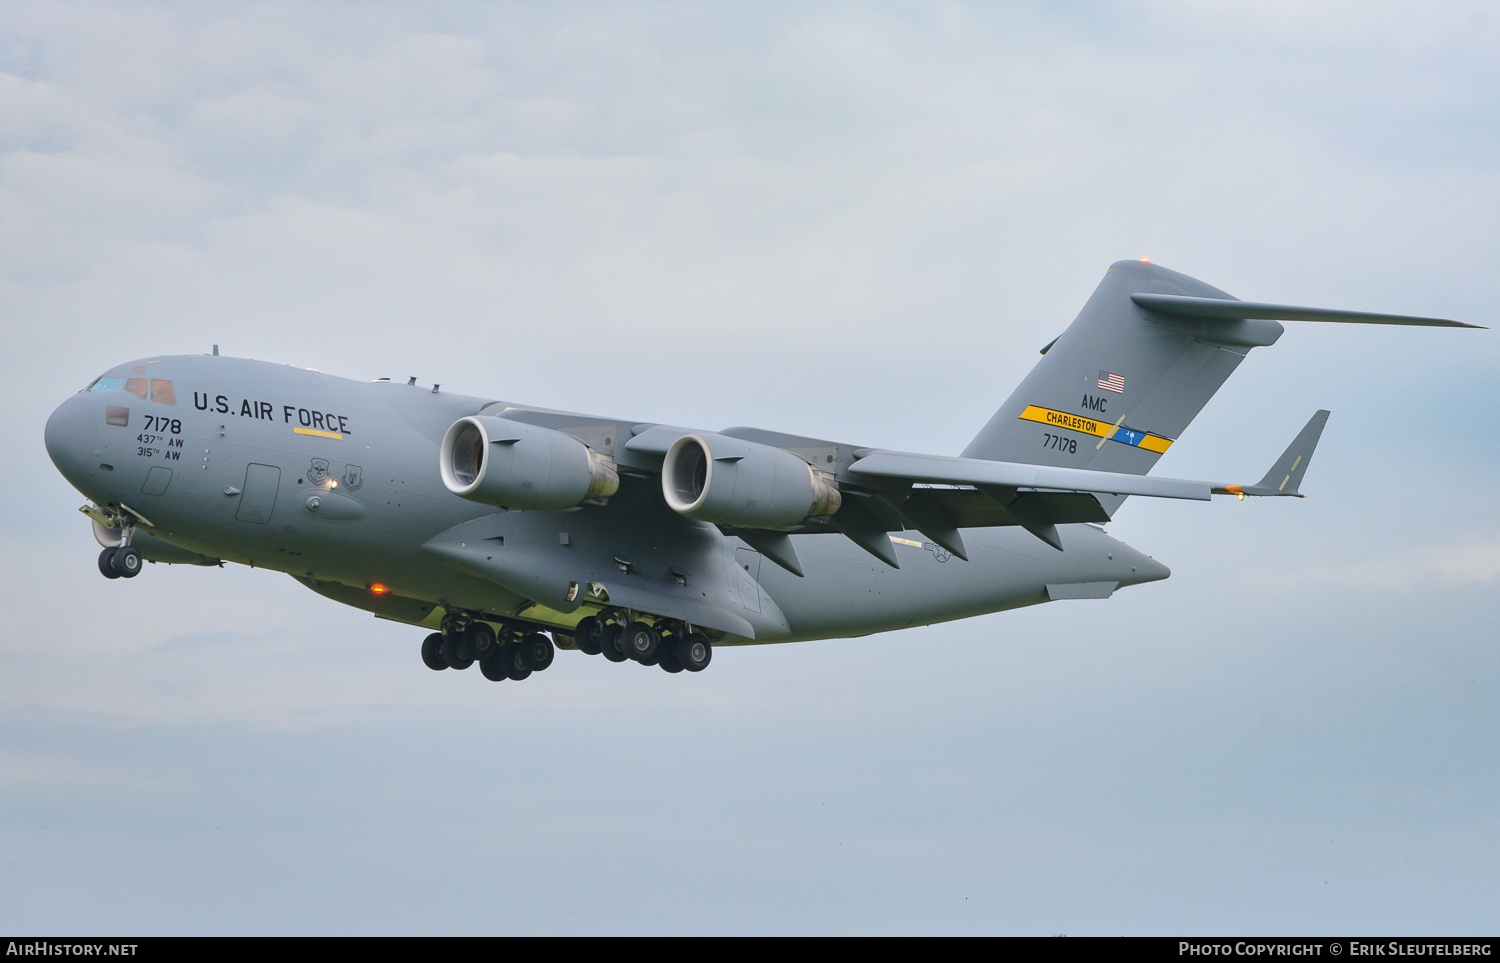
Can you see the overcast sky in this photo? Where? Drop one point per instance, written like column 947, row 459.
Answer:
column 855, row 221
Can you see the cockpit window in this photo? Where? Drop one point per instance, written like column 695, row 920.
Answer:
column 157, row 389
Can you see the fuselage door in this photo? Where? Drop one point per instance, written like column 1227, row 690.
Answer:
column 258, row 497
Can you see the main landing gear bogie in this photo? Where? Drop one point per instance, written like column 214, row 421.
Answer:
column 673, row 646
column 512, row 653
column 516, row 651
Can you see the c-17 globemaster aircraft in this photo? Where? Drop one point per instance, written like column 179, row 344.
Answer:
column 496, row 525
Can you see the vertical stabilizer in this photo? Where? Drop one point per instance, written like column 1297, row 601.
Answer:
column 1117, row 388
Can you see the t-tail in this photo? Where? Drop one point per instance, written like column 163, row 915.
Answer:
column 1116, row 389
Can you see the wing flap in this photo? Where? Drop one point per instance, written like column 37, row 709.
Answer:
column 945, row 469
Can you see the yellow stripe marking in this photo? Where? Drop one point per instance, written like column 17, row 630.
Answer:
column 1156, row 444
column 321, row 434
column 906, row 541
column 1089, row 426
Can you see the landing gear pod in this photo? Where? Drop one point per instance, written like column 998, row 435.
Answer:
column 728, row 481
column 511, row 465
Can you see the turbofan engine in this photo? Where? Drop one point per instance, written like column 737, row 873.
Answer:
column 513, row 465
column 727, row 481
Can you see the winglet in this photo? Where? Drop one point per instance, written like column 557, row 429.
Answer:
column 1286, row 475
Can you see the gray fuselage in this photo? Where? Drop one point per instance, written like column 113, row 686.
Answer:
column 336, row 483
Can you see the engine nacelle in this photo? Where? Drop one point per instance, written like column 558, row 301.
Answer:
column 728, row 481
column 512, row 465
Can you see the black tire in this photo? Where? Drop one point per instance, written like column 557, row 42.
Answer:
column 640, row 642
column 537, row 649
column 695, row 652
column 126, row 561
column 586, row 635
column 480, row 639
column 492, row 667
column 457, row 652
column 609, row 643
column 514, row 658
column 666, row 656
column 432, row 652
column 106, row 566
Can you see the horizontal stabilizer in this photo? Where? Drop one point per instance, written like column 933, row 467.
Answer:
column 1286, row 475
column 1232, row 310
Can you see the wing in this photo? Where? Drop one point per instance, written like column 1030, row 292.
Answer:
column 764, row 486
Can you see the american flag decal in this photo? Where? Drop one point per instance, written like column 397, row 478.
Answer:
column 1110, row 381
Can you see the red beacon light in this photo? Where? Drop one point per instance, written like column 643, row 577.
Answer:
column 378, row 589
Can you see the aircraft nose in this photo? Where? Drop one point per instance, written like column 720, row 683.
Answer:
column 69, row 437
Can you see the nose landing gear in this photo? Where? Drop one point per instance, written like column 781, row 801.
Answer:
column 123, row 561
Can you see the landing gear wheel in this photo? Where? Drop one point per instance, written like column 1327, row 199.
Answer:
column 640, row 641
column 695, row 652
column 457, row 652
column 492, row 667
column 126, row 561
column 480, row 639
column 609, row 643
column 537, row 650
column 432, row 652
column 585, row 635
column 514, row 659
column 106, row 566
column 666, row 657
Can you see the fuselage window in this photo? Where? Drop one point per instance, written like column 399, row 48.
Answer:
column 115, row 415
column 162, row 393
column 137, row 387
